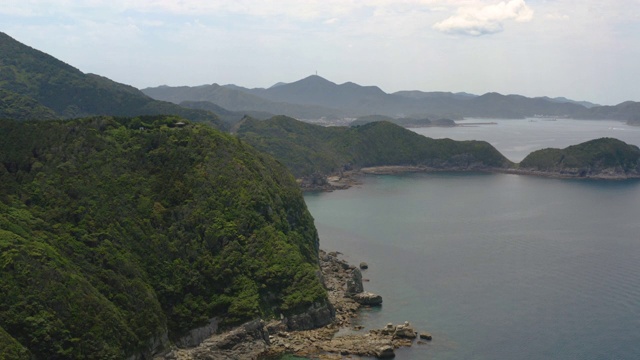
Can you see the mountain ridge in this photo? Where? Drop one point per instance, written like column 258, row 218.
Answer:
column 349, row 100
column 33, row 81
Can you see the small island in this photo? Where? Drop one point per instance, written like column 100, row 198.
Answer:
column 604, row 158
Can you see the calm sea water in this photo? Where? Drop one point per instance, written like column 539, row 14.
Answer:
column 497, row 266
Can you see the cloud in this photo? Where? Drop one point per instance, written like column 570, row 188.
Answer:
column 483, row 20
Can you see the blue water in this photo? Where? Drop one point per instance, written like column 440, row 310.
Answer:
column 495, row 266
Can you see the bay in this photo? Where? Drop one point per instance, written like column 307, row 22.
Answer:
column 516, row 138
column 497, row 266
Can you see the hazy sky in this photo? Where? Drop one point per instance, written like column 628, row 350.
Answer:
column 581, row 49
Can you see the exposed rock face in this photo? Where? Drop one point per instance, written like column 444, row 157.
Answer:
column 196, row 336
column 249, row 341
column 319, row 315
column 257, row 340
column 367, row 298
column 354, row 284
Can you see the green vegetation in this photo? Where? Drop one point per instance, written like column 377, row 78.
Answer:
column 36, row 86
column 306, row 149
column 115, row 232
column 587, row 158
column 405, row 121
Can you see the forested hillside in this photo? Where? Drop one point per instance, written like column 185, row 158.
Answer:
column 116, row 233
column 306, row 148
column 596, row 158
column 34, row 85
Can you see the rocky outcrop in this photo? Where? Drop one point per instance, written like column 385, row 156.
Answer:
column 405, row 331
column 319, row 315
column 367, row 299
column 196, row 336
column 426, row 336
column 354, row 283
column 249, row 341
column 257, row 340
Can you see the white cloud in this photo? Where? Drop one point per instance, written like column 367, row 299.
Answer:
column 481, row 20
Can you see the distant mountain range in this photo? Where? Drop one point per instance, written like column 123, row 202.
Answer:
column 34, row 85
column 315, row 97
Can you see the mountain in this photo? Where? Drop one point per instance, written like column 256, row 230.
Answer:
column 626, row 111
column 600, row 158
column 307, row 149
column 231, row 97
column 118, row 234
column 34, row 85
column 586, row 104
column 316, row 97
column 419, row 95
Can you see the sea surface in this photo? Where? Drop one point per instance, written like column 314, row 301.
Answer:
column 498, row 266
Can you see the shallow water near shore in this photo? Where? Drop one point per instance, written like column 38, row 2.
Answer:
column 497, row 266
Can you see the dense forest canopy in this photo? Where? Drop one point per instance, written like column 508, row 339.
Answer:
column 115, row 232
column 307, row 148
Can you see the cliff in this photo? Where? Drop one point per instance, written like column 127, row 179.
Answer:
column 119, row 235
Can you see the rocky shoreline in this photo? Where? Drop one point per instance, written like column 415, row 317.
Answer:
column 257, row 340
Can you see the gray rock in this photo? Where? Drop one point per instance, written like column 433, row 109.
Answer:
column 354, row 284
column 405, row 331
column 367, row 298
column 364, row 265
column 426, row 336
column 385, row 352
column 318, row 315
column 196, row 336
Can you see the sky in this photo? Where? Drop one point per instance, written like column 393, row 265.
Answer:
column 580, row 49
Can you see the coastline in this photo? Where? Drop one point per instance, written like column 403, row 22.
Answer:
column 347, row 179
column 257, row 340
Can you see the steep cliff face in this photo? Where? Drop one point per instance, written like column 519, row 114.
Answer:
column 115, row 233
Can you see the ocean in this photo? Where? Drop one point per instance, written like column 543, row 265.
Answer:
column 498, row 266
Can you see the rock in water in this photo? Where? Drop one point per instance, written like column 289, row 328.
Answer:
column 385, row 352
column 426, row 336
column 364, row 265
column 405, row 331
column 354, row 285
column 367, row 298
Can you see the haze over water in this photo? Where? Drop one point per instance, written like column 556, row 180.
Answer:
column 498, row 266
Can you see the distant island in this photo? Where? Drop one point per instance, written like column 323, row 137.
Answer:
column 404, row 121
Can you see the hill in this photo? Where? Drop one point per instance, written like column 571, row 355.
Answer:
column 234, row 99
column 118, row 235
column 600, row 158
column 314, row 97
column 626, row 111
column 307, row 149
column 228, row 116
column 34, row 85
column 404, row 121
